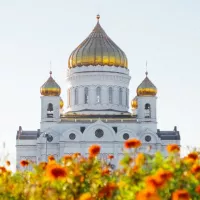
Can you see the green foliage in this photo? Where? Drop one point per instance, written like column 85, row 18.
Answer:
column 139, row 176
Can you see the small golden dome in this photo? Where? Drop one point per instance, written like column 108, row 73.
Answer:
column 61, row 103
column 50, row 87
column 98, row 49
column 146, row 88
column 134, row 103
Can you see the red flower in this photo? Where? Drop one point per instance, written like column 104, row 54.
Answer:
column 173, row 148
column 193, row 155
column 51, row 158
column 198, row 189
column 180, row 195
column 107, row 191
column 94, row 150
column 24, row 163
column 132, row 143
column 55, row 171
column 110, row 157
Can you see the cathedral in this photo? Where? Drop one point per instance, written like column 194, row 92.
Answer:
column 96, row 108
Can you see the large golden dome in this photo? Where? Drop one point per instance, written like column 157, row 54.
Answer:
column 146, row 88
column 50, row 87
column 98, row 49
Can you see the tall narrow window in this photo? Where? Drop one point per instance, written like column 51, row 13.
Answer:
column 120, row 96
column 76, row 96
column 50, row 110
column 69, row 96
column 98, row 94
column 127, row 97
column 86, row 97
column 147, row 109
column 110, row 93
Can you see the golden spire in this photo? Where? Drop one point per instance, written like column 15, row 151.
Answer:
column 50, row 87
column 97, row 49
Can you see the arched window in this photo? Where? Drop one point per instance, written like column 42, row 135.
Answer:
column 86, row 97
column 76, row 96
column 69, row 96
column 120, row 96
column 110, row 93
column 98, row 94
column 50, row 110
column 147, row 109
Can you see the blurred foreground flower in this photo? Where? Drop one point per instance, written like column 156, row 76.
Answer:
column 132, row 143
column 94, row 150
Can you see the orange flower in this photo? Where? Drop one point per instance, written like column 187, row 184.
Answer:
column 2, row 170
column 94, row 150
column 198, row 189
column 107, row 191
column 164, row 174
column 193, row 155
column 110, row 156
column 66, row 158
column 147, row 194
column 154, row 182
column 86, row 196
column 195, row 169
column 76, row 155
column 24, row 163
column 135, row 168
column 180, row 195
column 56, row 171
column 43, row 165
column 105, row 171
column 132, row 143
column 51, row 158
column 139, row 160
column 8, row 163
column 172, row 148
column 160, row 179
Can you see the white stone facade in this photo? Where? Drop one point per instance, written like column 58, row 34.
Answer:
column 100, row 118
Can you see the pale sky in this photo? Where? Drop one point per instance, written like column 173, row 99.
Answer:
column 165, row 33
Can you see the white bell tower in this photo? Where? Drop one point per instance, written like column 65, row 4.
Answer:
column 50, row 102
column 145, row 101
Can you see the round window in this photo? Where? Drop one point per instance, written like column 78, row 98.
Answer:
column 99, row 133
column 72, row 136
column 50, row 138
column 126, row 136
column 148, row 138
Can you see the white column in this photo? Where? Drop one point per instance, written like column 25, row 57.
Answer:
column 72, row 96
column 81, row 96
column 128, row 98
column 92, row 95
column 104, row 95
column 124, row 97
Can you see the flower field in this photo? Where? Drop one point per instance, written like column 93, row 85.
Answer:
column 74, row 177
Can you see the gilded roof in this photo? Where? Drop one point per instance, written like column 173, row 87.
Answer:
column 146, row 88
column 97, row 49
column 50, row 87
